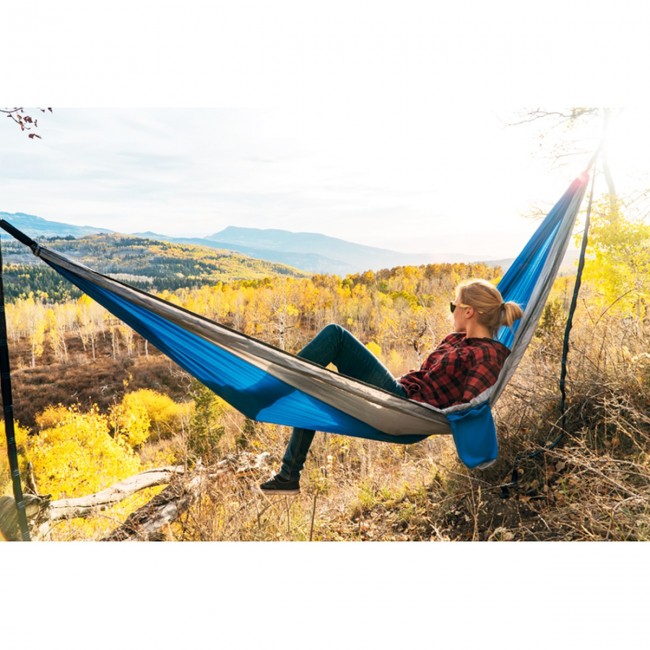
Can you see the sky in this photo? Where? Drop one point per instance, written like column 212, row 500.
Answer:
column 355, row 125
column 380, row 123
column 461, row 180
column 416, row 182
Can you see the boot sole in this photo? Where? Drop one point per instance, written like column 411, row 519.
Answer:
column 280, row 492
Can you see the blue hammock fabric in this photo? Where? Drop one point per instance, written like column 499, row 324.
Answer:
column 270, row 385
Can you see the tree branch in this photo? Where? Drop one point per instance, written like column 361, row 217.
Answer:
column 539, row 114
column 90, row 505
column 25, row 121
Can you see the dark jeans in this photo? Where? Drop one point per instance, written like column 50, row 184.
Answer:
column 334, row 344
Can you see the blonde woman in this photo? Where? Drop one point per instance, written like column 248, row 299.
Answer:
column 466, row 363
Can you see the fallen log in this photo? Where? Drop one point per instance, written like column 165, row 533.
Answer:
column 164, row 508
column 90, row 505
column 146, row 522
column 184, row 488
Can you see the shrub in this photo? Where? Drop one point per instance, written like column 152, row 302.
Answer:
column 74, row 453
column 148, row 415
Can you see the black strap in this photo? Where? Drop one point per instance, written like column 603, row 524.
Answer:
column 572, row 308
column 20, row 236
column 8, row 408
column 565, row 348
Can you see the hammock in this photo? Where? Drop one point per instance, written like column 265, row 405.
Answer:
column 271, row 385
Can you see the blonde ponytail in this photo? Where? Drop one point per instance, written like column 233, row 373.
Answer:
column 486, row 299
column 511, row 312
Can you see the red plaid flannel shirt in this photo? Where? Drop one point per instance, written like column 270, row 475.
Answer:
column 458, row 370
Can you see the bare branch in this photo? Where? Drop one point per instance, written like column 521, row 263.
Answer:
column 538, row 114
column 163, row 509
column 24, row 120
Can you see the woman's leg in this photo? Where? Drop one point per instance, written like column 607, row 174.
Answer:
column 334, row 344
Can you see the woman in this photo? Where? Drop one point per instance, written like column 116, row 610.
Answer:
column 465, row 364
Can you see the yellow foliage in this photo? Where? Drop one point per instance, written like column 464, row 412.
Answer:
column 5, row 475
column 52, row 416
column 130, row 420
column 396, row 363
column 374, row 348
column 145, row 414
column 618, row 265
column 74, row 453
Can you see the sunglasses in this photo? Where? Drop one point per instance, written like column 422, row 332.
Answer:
column 453, row 305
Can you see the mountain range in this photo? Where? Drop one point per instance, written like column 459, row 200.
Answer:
column 311, row 252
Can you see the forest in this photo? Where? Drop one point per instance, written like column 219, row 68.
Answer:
column 101, row 412
column 143, row 263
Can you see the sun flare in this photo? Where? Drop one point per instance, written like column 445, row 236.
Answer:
column 627, row 142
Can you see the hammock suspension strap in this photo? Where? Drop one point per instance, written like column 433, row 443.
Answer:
column 565, row 347
column 8, row 409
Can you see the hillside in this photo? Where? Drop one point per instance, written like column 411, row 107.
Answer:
column 311, row 252
column 39, row 227
column 310, row 262
column 144, row 263
column 360, row 256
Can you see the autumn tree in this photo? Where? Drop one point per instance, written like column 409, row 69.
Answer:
column 89, row 319
column 74, row 453
column 618, row 264
column 26, row 321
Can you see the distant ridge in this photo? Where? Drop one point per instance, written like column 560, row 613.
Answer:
column 310, row 252
column 38, row 227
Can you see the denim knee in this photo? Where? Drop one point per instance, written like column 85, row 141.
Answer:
column 334, row 328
